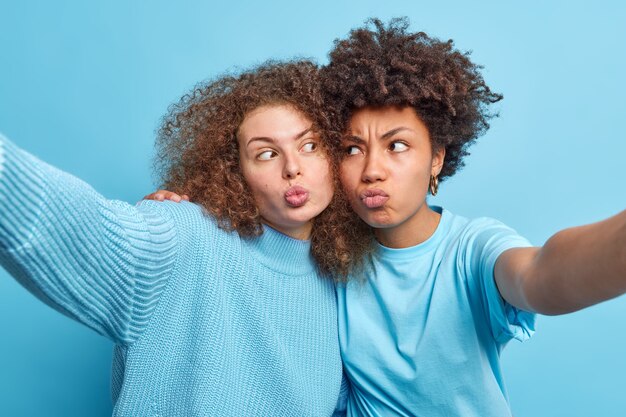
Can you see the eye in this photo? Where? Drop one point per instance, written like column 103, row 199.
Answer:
column 266, row 156
column 398, row 146
column 309, row 147
column 352, row 150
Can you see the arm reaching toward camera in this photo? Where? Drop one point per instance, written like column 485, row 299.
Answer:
column 101, row 262
column 576, row 268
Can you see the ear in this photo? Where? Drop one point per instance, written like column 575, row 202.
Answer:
column 438, row 157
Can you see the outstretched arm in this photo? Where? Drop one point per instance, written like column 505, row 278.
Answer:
column 101, row 262
column 576, row 268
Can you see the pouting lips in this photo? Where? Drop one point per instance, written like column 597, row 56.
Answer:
column 296, row 196
column 374, row 198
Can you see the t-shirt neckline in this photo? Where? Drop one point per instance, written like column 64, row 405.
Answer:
column 428, row 245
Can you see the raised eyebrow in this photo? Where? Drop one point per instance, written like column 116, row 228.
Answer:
column 270, row 140
column 260, row 139
column 303, row 133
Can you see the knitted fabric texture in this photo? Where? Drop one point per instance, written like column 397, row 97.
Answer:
column 205, row 323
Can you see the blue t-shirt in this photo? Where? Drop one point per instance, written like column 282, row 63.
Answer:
column 421, row 335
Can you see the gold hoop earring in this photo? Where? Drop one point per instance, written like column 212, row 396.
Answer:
column 434, row 185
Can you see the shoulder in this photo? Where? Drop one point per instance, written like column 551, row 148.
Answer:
column 477, row 237
column 481, row 240
column 189, row 219
column 485, row 229
column 191, row 209
column 479, row 229
column 182, row 214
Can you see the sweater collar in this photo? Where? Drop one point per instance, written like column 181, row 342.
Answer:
column 282, row 253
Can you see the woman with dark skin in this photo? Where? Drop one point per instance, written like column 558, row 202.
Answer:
column 422, row 332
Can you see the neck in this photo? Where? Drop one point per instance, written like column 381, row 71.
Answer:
column 281, row 252
column 415, row 230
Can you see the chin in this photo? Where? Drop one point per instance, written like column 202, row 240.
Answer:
column 378, row 220
column 300, row 219
column 381, row 225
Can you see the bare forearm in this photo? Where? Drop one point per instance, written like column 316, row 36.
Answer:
column 578, row 267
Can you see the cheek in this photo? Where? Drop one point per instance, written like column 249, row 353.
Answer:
column 261, row 178
column 258, row 192
column 424, row 179
column 415, row 186
column 247, row 172
column 346, row 175
column 250, row 178
column 258, row 184
column 325, row 178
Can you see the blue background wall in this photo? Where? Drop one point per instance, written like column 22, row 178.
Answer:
column 83, row 86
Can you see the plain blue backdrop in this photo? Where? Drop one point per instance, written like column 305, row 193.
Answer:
column 83, row 85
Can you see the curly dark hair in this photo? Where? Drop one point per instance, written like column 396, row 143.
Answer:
column 198, row 154
column 386, row 65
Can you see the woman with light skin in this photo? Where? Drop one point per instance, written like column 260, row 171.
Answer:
column 421, row 331
column 220, row 307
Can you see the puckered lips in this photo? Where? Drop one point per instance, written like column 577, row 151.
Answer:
column 374, row 198
column 296, row 196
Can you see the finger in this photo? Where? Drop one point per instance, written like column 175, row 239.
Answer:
column 170, row 195
column 185, row 197
column 151, row 196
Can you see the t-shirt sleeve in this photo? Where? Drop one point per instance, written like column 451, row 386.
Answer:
column 103, row 263
column 484, row 240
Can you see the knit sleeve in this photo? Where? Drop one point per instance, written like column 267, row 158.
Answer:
column 103, row 263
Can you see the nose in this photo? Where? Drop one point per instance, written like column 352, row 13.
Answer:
column 374, row 169
column 291, row 169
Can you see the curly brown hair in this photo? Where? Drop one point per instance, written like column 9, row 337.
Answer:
column 198, row 154
column 390, row 66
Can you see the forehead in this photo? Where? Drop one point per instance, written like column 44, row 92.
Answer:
column 386, row 123
column 383, row 118
column 273, row 121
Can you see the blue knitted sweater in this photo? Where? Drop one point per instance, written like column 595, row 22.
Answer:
column 205, row 323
